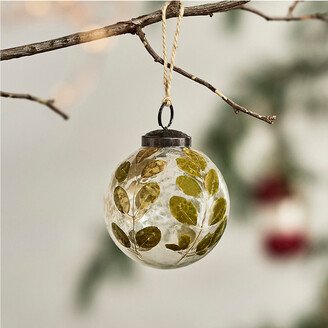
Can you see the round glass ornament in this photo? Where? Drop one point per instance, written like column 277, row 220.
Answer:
column 167, row 205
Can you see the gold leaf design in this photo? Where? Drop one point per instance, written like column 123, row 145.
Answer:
column 184, row 242
column 196, row 157
column 218, row 211
column 120, row 235
column 188, row 166
column 211, row 239
column 186, row 230
column 212, row 182
column 219, row 232
column 204, row 244
column 188, row 185
column 147, row 195
column 152, row 168
column 121, row 200
column 145, row 153
column 183, row 210
column 122, row 171
column 149, row 237
column 173, row 247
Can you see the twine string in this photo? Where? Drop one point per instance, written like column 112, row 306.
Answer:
column 168, row 71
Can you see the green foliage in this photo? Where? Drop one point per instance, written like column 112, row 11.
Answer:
column 223, row 137
column 108, row 262
column 270, row 84
column 232, row 20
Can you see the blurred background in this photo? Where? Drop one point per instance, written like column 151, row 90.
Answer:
column 59, row 266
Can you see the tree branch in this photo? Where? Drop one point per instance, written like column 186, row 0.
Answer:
column 289, row 17
column 134, row 26
column 142, row 21
column 49, row 102
column 237, row 108
column 116, row 29
column 292, row 8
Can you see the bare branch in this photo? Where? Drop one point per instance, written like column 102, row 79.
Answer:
column 116, row 29
column 292, row 8
column 319, row 16
column 49, row 102
column 129, row 27
column 134, row 26
column 237, row 108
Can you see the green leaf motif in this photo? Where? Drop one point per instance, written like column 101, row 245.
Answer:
column 147, row 195
column 196, row 157
column 152, row 168
column 145, row 153
column 188, row 166
column 218, row 211
column 219, row 232
column 147, row 238
column 186, row 230
column 173, row 247
column 120, row 235
column 204, row 244
column 188, row 185
column 183, row 210
column 184, row 242
column 211, row 239
column 122, row 171
column 212, row 182
column 121, row 200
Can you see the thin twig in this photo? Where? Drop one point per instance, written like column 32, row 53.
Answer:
column 49, row 102
column 119, row 28
column 134, row 26
column 128, row 26
column 237, row 108
column 320, row 16
column 292, row 8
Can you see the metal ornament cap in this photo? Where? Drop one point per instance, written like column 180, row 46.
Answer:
column 165, row 138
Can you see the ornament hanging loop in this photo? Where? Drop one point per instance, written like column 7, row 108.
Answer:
column 169, row 65
column 159, row 116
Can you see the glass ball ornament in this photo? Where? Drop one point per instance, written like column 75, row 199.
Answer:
column 167, row 205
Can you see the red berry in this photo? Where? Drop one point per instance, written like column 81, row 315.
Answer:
column 284, row 244
column 272, row 189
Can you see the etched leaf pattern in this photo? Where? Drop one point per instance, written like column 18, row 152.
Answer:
column 122, row 171
column 120, row 235
column 148, row 237
column 145, row 153
column 147, row 195
column 195, row 180
column 183, row 210
column 204, row 244
column 211, row 182
column 188, row 166
column 219, row 232
column 194, row 164
column 188, row 185
column 211, row 239
column 152, row 168
column 121, row 200
column 196, row 157
column 173, row 247
column 218, row 211
column 183, row 243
